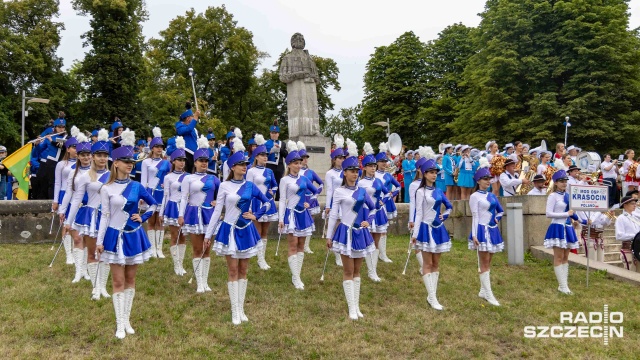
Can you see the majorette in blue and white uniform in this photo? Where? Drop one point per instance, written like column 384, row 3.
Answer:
column 351, row 206
column 390, row 183
column 170, row 207
column 62, row 170
column 292, row 212
column 333, row 179
column 312, row 199
column 426, row 153
column 236, row 134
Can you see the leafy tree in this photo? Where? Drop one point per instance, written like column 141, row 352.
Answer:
column 347, row 124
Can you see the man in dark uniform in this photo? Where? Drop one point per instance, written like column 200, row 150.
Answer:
column 277, row 153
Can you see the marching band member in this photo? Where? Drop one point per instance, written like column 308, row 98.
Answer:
column 314, row 206
column 564, row 163
column 62, row 170
column 227, row 149
column 294, row 218
column 237, row 134
column 426, row 153
column 509, row 179
column 376, row 191
column 237, row 239
column 573, row 151
column 199, row 192
column 492, row 148
column 85, row 211
column 169, row 208
column 516, row 155
column 154, row 169
column 448, row 165
column 430, row 236
column 186, row 128
column 122, row 242
column 277, row 154
column 485, row 235
column 561, row 236
column 265, row 180
column 545, row 157
column 52, row 149
column 440, row 180
column 333, row 178
column 628, row 184
column 213, row 153
column 538, row 186
column 610, row 177
column 508, row 150
column 575, row 178
column 389, row 182
column 409, row 172
column 456, row 171
column 348, row 234
column 560, row 150
column 116, row 132
column 627, row 228
column 466, row 169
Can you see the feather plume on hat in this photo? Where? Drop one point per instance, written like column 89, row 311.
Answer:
column 484, row 163
column 383, row 147
column 352, row 148
column 180, row 143
column 292, row 146
column 301, row 145
column 157, row 132
column 82, row 138
column 237, row 144
column 368, row 149
column 238, row 133
column 259, row 139
column 427, row 152
column 103, row 135
column 128, row 138
column 339, row 144
column 75, row 131
column 202, row 142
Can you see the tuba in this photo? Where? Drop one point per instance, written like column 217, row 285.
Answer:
column 395, row 148
column 528, row 171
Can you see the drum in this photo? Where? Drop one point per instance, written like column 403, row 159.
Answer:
column 596, row 233
column 588, row 161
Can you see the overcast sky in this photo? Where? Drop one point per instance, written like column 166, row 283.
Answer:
column 344, row 30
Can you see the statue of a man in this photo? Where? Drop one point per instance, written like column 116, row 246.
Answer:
column 299, row 72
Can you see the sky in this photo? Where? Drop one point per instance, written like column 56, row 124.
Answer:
column 347, row 31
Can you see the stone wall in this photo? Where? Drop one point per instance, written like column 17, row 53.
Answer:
column 26, row 221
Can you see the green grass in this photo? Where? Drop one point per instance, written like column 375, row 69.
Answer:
column 43, row 315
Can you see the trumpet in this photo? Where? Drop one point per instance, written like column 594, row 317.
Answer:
column 590, row 178
column 610, row 215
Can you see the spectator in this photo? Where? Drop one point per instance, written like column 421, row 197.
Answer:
column 4, row 174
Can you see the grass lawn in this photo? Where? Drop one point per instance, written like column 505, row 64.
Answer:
column 45, row 316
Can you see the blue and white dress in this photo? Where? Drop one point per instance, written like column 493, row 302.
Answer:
column 390, row 183
column 198, row 192
column 85, row 213
column 312, row 199
column 124, row 240
column 235, row 235
column 376, row 192
column 296, row 218
column 486, row 211
column 63, row 169
column 467, row 169
column 351, row 206
column 152, row 177
column 265, row 180
column 429, row 231
column 333, row 179
column 560, row 232
column 68, row 192
column 170, row 206
column 413, row 188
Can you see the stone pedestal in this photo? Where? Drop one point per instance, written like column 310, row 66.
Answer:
column 319, row 150
column 515, row 225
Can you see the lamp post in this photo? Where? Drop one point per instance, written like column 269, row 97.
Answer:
column 28, row 100
column 384, row 124
column 566, row 129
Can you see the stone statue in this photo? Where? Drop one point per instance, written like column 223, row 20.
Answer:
column 299, row 72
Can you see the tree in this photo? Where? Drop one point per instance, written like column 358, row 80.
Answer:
column 112, row 67
column 347, row 124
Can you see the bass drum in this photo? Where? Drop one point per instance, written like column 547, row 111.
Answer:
column 588, row 161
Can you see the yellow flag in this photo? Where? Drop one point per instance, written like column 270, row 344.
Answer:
column 19, row 163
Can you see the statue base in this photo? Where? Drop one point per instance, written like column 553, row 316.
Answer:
column 319, row 150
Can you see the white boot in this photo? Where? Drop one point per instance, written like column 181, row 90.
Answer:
column 431, row 293
column 93, row 274
column 338, row 259
column 151, row 234
column 159, row 243
column 104, row 276
column 84, row 264
column 382, row 246
column 374, row 263
column 293, row 265
column 299, row 269
column 206, row 263
column 129, row 294
column 347, row 285
column 262, row 263
column 173, row 250
column 436, row 277
column 233, row 297
column 559, row 270
column 420, row 260
column 264, row 254
column 371, row 268
column 485, row 279
column 182, row 248
column 307, row 249
column 118, row 307
column 242, row 292
column 197, row 273
column 565, row 272
column 68, row 248
column 77, row 259
column 356, row 295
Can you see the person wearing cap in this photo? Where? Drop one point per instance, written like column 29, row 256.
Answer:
column 466, row 169
column 573, row 151
column 509, row 179
column 169, row 207
column 63, row 168
column 186, row 127
column 575, row 177
column 333, row 179
column 84, row 216
column 348, row 233
column 265, row 180
column 485, row 235
column 53, row 149
column 122, row 242
column 409, row 172
column 154, row 169
column 80, row 167
column 561, row 237
column 538, row 186
column 425, row 153
column 4, row 174
column 237, row 135
column 199, row 192
column 393, row 187
column 429, row 236
column 213, row 153
column 627, row 228
column 312, row 199
column 236, row 237
column 116, row 131
column 629, row 183
column 294, row 218
column 377, row 192
column 226, row 150
column 508, row 150
column 277, row 154
column 448, row 164
column 610, row 177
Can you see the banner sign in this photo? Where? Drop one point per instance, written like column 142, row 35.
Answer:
column 589, row 197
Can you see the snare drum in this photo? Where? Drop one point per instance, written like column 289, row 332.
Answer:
column 596, row 233
column 588, row 161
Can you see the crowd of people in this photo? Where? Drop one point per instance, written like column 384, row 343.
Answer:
column 106, row 184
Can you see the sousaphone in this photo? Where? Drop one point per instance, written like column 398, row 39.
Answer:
column 394, row 143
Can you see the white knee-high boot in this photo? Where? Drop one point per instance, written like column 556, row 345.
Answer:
column 118, row 307
column 307, row 249
column 436, row 277
column 338, row 259
column 77, row 259
column 431, row 293
column 232, row 286
column 173, row 250
column 151, row 234
column 182, row 248
column 293, row 265
column 93, row 274
column 300, row 259
column 382, row 246
column 85, row 257
column 129, row 294
column 262, row 262
column 420, row 260
column 242, row 292
column 356, row 295
column 68, row 248
column 348, row 287
column 104, row 276
column 485, row 280
column 159, row 243
column 197, row 273
column 206, row 264
column 372, row 270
